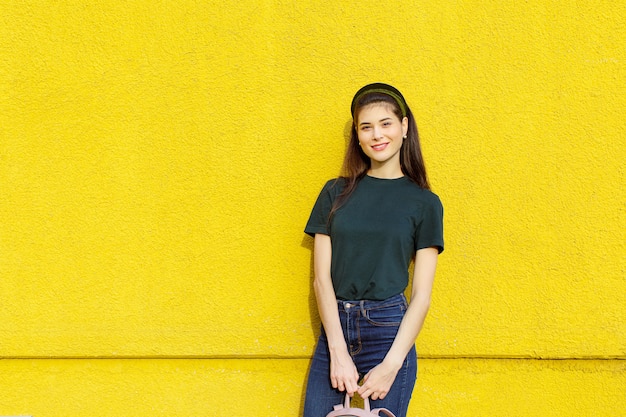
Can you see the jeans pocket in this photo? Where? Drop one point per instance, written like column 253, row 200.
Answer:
column 386, row 315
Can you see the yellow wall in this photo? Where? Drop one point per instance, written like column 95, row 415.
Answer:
column 158, row 162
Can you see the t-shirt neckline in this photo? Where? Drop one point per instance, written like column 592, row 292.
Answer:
column 385, row 179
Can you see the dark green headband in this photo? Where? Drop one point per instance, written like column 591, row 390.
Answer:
column 383, row 89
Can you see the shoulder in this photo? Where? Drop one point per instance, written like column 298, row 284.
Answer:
column 424, row 199
column 335, row 185
column 432, row 198
column 423, row 194
column 331, row 190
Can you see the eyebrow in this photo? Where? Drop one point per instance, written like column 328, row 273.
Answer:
column 369, row 123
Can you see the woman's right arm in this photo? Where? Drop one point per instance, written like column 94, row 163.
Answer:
column 343, row 373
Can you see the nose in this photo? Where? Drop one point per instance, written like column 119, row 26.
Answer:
column 378, row 133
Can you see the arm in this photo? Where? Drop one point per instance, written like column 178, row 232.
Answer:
column 343, row 373
column 378, row 381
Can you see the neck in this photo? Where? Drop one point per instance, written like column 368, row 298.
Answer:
column 386, row 171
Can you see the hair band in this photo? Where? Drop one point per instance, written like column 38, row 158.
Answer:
column 383, row 89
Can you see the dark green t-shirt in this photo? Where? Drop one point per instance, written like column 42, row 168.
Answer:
column 375, row 234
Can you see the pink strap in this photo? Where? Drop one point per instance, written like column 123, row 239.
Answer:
column 344, row 410
column 377, row 412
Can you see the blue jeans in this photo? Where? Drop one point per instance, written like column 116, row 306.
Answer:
column 369, row 328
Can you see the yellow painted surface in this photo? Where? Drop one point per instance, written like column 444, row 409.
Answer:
column 216, row 388
column 158, row 162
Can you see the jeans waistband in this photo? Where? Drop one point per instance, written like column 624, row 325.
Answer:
column 345, row 305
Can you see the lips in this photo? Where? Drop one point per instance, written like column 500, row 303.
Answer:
column 380, row 147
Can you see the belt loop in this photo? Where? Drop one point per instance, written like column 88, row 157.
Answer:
column 362, row 303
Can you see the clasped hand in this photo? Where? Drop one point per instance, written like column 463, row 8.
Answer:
column 376, row 383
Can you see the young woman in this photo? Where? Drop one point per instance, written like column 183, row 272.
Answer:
column 368, row 226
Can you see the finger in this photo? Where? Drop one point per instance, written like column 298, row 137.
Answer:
column 365, row 385
column 364, row 392
column 378, row 395
column 351, row 387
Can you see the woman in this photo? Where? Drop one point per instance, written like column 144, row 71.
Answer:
column 368, row 226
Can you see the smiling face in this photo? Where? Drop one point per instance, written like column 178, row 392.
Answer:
column 380, row 133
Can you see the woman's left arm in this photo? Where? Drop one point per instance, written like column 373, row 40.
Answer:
column 378, row 381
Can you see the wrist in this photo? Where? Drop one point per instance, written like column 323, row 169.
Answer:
column 339, row 348
column 393, row 363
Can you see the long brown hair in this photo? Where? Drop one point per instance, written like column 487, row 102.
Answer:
column 356, row 163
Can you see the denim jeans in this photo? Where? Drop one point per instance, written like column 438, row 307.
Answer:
column 369, row 328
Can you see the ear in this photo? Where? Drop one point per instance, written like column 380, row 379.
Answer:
column 405, row 125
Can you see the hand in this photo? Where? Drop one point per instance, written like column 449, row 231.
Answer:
column 378, row 381
column 343, row 373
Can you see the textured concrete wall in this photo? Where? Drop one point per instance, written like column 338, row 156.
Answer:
column 158, row 161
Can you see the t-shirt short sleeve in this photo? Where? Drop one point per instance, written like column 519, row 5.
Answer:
column 318, row 220
column 429, row 233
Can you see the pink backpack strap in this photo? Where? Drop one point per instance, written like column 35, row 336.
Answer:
column 344, row 410
column 377, row 412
